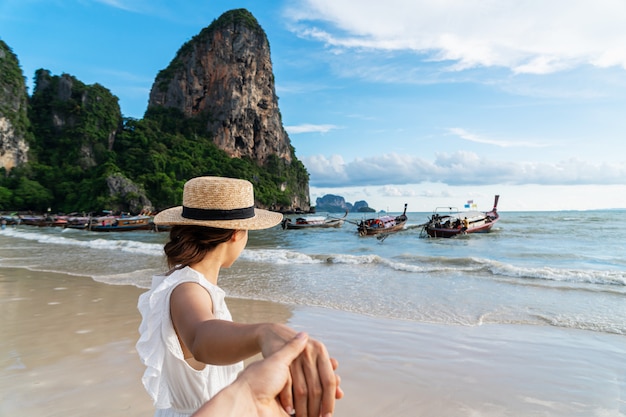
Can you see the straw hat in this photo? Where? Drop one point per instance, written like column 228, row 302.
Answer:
column 225, row 203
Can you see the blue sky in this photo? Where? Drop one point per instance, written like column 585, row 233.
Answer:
column 416, row 101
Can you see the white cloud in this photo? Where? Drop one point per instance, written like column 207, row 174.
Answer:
column 327, row 170
column 309, row 128
column 183, row 12
column 512, row 197
column 435, row 194
column 533, row 37
column 125, row 5
column 394, row 191
column 458, row 168
column 465, row 135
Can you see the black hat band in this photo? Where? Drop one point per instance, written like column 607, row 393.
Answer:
column 217, row 214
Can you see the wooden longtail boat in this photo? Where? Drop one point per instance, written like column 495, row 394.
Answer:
column 454, row 222
column 34, row 220
column 121, row 224
column 313, row 222
column 382, row 224
column 78, row 222
column 42, row 220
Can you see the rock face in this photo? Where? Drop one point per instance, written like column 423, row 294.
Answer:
column 13, row 111
column 361, row 206
column 133, row 196
column 224, row 74
column 337, row 204
column 332, row 204
column 13, row 147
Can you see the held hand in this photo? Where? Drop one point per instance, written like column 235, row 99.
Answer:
column 314, row 384
column 254, row 393
column 268, row 377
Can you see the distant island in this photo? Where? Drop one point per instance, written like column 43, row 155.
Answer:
column 336, row 204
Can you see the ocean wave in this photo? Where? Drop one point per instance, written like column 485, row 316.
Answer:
column 596, row 325
column 410, row 263
column 585, row 276
column 124, row 245
column 278, row 256
column 282, row 256
column 442, row 265
column 493, row 268
column 141, row 278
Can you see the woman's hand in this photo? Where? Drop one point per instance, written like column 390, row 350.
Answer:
column 254, row 393
column 313, row 386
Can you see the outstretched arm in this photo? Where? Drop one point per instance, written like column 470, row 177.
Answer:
column 313, row 386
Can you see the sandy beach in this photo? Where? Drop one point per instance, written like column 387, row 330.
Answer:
column 68, row 350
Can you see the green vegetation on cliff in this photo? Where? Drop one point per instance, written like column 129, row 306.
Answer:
column 81, row 140
column 13, row 94
column 86, row 157
column 165, row 149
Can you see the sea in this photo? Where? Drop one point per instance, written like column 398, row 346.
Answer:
column 565, row 269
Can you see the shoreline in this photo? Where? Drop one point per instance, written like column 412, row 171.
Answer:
column 68, row 349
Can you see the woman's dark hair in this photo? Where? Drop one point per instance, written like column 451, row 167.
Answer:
column 190, row 244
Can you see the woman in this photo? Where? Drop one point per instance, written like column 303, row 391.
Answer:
column 188, row 341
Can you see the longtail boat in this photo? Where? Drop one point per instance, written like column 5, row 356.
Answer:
column 313, row 222
column 382, row 224
column 449, row 221
column 120, row 224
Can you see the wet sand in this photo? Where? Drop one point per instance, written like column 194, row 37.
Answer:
column 67, row 349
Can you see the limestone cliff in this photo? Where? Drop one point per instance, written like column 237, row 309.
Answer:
column 225, row 74
column 65, row 108
column 80, row 154
column 336, row 204
column 14, row 123
column 76, row 126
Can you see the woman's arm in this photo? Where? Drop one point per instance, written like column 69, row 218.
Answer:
column 315, row 384
column 208, row 340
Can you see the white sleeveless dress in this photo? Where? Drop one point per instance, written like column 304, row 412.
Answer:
column 176, row 388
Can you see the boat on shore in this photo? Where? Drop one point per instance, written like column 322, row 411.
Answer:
column 42, row 220
column 120, row 224
column 448, row 222
column 313, row 222
column 77, row 222
column 39, row 220
column 107, row 222
column 382, row 224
